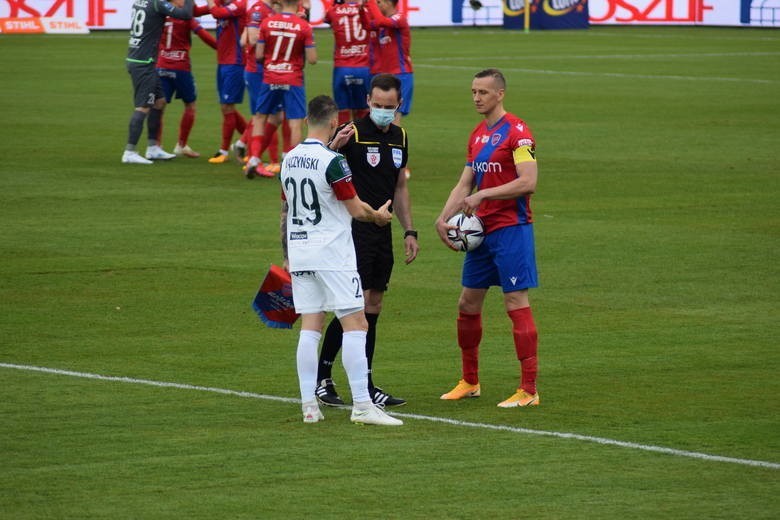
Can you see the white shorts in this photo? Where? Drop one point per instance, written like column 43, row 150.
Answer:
column 321, row 291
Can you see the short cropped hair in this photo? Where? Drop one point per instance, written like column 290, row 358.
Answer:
column 321, row 110
column 496, row 74
column 386, row 82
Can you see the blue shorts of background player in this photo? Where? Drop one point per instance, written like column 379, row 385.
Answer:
column 407, row 92
column 350, row 87
column 230, row 84
column 506, row 258
column 178, row 82
column 291, row 98
column 254, row 83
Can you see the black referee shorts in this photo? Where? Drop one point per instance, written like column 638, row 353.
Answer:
column 374, row 249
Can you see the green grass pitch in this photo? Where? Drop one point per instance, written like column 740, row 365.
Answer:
column 658, row 234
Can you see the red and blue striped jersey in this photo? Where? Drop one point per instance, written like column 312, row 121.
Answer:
column 230, row 16
column 493, row 152
column 389, row 43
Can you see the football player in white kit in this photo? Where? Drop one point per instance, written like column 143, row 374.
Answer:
column 319, row 205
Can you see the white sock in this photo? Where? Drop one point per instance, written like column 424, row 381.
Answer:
column 353, row 357
column 307, row 359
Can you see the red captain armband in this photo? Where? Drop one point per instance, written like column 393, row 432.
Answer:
column 344, row 189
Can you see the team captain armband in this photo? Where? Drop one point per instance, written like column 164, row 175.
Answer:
column 524, row 153
column 344, row 189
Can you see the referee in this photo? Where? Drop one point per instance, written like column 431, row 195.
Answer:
column 377, row 153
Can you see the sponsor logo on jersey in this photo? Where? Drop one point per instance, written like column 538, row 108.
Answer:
column 520, row 127
column 354, row 50
column 398, row 157
column 495, row 139
column 485, row 139
column 279, row 67
column 298, row 235
column 174, row 55
column 372, row 155
column 487, row 167
column 525, row 142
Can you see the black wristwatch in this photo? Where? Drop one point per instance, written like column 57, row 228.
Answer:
column 410, row 233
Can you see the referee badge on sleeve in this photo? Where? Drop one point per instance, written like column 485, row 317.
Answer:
column 398, row 157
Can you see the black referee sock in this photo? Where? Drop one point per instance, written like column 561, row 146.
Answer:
column 371, row 345
column 330, row 349
column 135, row 130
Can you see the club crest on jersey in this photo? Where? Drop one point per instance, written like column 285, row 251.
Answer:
column 495, row 139
column 398, row 157
column 372, row 155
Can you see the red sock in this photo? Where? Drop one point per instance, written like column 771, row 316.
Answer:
column 185, row 126
column 273, row 148
column 469, row 336
column 526, row 346
column 286, row 137
column 269, row 133
column 240, row 123
column 228, row 126
column 345, row 116
column 246, row 137
column 255, row 146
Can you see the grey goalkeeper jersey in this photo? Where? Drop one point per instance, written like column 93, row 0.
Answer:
column 146, row 25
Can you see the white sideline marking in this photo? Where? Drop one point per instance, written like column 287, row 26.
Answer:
column 453, row 422
column 608, row 56
column 606, row 74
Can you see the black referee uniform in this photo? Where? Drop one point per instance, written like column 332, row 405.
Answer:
column 376, row 159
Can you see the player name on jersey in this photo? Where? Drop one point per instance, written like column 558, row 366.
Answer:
column 281, row 24
column 307, row 163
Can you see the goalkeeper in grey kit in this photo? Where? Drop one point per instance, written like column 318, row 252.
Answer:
column 146, row 25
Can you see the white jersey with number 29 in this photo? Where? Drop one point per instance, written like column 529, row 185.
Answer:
column 319, row 227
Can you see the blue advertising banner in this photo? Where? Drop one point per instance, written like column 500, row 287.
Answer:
column 547, row 14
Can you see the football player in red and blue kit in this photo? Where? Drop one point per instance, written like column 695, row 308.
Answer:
column 175, row 70
column 285, row 43
column 389, row 47
column 351, row 74
column 230, row 16
column 501, row 172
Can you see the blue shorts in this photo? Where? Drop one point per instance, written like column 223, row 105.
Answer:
column 505, row 258
column 179, row 82
column 291, row 98
column 350, row 87
column 407, row 91
column 230, row 84
column 254, row 82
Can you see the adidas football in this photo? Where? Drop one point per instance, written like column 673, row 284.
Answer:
column 469, row 234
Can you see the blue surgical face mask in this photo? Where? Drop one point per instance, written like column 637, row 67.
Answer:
column 382, row 116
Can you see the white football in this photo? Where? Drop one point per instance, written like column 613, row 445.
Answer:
column 469, row 233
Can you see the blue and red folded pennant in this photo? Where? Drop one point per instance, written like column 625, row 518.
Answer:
column 273, row 302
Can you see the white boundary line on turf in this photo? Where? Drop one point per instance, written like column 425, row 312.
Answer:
column 453, row 422
column 604, row 74
column 607, row 56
